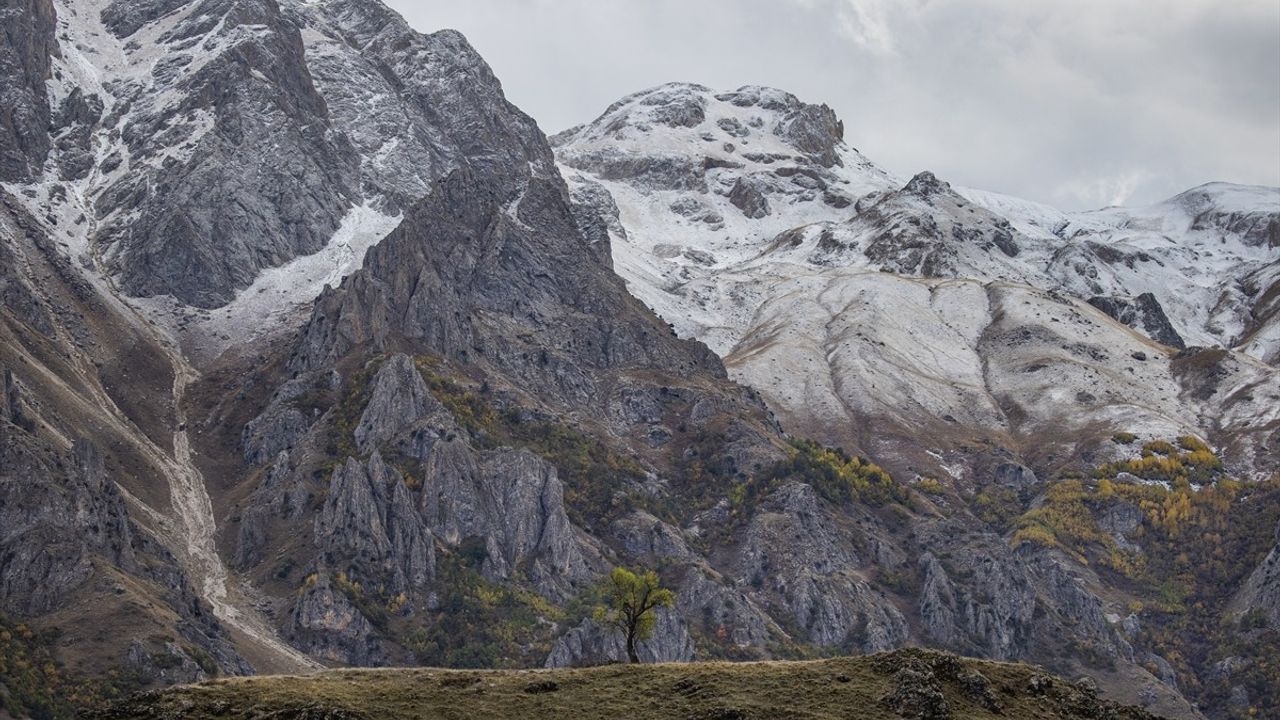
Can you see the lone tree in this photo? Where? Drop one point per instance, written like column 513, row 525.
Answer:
column 633, row 596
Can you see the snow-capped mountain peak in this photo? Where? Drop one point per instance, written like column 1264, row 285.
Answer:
column 746, row 221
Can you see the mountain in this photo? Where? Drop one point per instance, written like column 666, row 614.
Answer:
column 317, row 352
column 908, row 319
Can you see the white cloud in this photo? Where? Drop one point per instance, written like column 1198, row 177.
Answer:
column 867, row 22
column 1104, row 191
column 1075, row 103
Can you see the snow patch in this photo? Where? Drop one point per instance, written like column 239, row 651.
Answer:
column 281, row 297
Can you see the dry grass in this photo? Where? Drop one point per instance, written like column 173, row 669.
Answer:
column 835, row 688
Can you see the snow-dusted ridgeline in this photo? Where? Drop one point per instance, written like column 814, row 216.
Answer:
column 887, row 315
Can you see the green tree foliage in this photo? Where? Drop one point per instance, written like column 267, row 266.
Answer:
column 837, row 476
column 633, row 598
column 1191, row 461
column 33, row 684
column 479, row 623
column 841, row 478
column 1195, row 546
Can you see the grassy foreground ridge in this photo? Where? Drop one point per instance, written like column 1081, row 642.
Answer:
column 903, row 684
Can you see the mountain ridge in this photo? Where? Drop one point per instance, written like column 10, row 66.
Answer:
column 404, row 395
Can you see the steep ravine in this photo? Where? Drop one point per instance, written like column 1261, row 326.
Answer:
column 194, row 539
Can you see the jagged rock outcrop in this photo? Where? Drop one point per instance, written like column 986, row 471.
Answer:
column 597, row 216
column 1257, row 227
column 26, row 50
column 988, row 609
column 285, row 419
column 370, row 521
column 399, row 397
column 793, row 552
column 1261, row 593
column 325, row 623
column 502, row 263
column 514, row 502
column 171, row 665
column 717, row 605
column 58, row 513
column 747, row 197
column 279, row 497
column 1064, row 592
column 928, row 229
column 1142, row 313
column 200, row 224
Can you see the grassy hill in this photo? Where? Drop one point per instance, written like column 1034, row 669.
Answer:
column 903, row 684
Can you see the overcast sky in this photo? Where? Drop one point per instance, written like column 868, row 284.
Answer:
column 1078, row 103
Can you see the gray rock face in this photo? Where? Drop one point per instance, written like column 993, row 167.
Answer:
column 13, row 407
column 506, row 282
column 326, row 624
column 748, row 197
column 279, row 496
column 998, row 623
column 1122, row 519
column 592, row 644
column 643, row 535
column 204, row 222
column 27, row 46
column 76, row 118
column 989, row 611
column 512, row 500
column 170, row 666
column 597, row 216
column 655, row 172
column 675, row 107
column 1014, row 475
column 280, row 425
column 703, row 596
column 928, row 229
column 725, row 611
column 1142, row 313
column 379, row 77
column 794, row 553
column 1258, row 228
column 1074, row 606
column 126, row 18
column 399, row 397
column 57, row 515
column 369, row 519
column 189, row 208
column 1261, row 593
column 815, row 129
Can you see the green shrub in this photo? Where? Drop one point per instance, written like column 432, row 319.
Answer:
column 481, row 624
column 837, row 476
column 931, row 486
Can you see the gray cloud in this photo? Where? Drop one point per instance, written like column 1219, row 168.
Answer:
column 1079, row 104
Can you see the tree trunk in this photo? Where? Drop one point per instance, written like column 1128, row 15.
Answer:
column 631, row 648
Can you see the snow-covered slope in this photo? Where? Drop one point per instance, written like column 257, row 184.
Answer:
column 905, row 317
column 218, row 162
